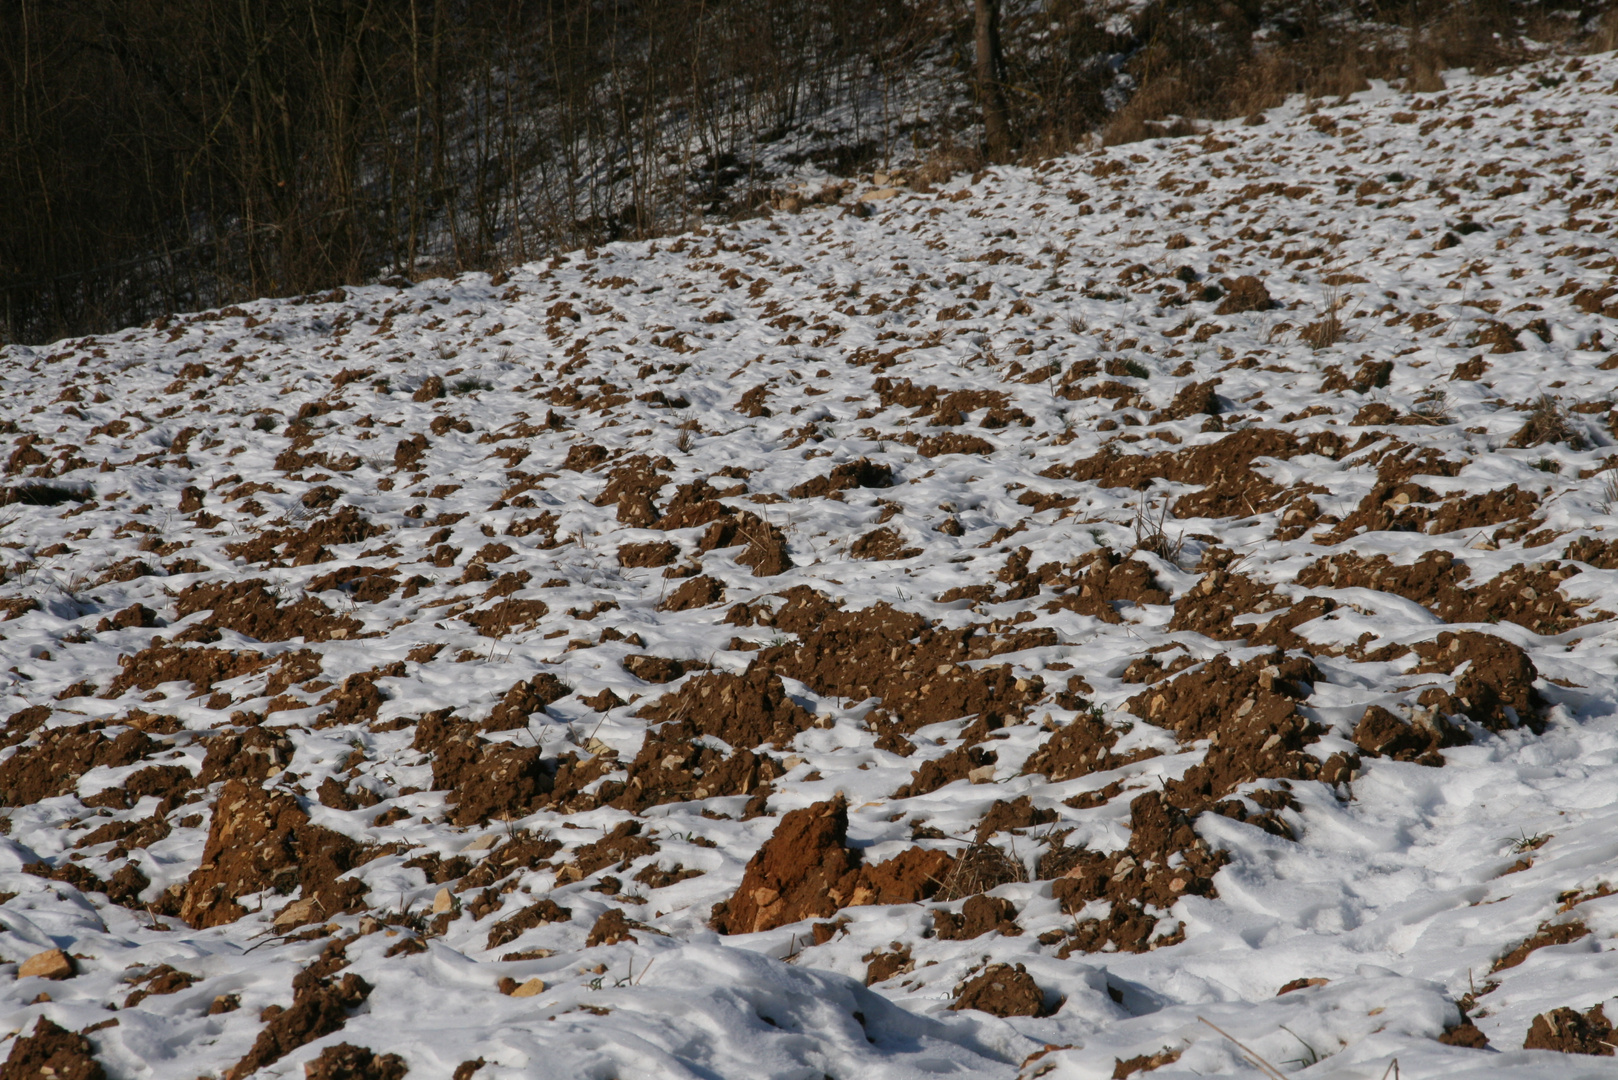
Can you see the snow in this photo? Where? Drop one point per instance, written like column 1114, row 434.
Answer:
column 1401, row 888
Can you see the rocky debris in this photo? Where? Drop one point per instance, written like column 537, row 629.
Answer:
column 1002, row 990
column 677, row 762
column 1411, row 507
column 1496, row 689
column 262, row 840
column 698, row 592
column 162, row 663
column 806, row 870
column 346, row 1061
column 123, row 887
column 1082, row 747
column 51, row 1053
column 611, row 929
column 1566, row 1031
column 50, row 964
column 486, row 779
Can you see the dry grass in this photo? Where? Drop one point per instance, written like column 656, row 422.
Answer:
column 1150, row 534
column 981, row 867
column 1547, row 423
column 1332, row 326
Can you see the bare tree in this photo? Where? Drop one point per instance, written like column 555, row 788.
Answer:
column 990, row 73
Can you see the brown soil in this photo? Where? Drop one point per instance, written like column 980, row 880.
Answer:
column 654, row 669
column 201, row 667
column 1079, row 749
column 1530, row 596
column 1245, row 293
column 1497, row 688
column 744, row 710
column 56, row 759
column 854, row 474
column 1380, row 733
column 348, row 1062
column 610, row 929
column 1140, row 874
column 1565, row 1031
column 1123, row 1068
column 978, row 916
column 262, row 840
column 1410, row 507
column 766, row 545
column 883, row 545
column 253, row 755
column 1547, row 935
column 697, row 592
column 525, row 698
column 122, row 888
column 306, row 546
column 945, row 407
column 366, row 584
column 674, row 766
column 508, row 930
column 661, row 553
column 507, row 616
column 1466, row 1034
column 1601, row 554
column 485, row 779
column 52, row 1052
column 881, row 966
column 1224, row 470
column 806, row 870
column 320, row 1006
column 915, row 669
column 251, row 609
column 1002, row 990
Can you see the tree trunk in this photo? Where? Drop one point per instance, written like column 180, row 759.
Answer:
column 996, row 126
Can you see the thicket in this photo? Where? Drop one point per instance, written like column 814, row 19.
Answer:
column 161, row 155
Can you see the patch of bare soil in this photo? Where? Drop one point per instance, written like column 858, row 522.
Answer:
column 1568, row 1032
column 320, row 1005
column 1497, row 688
column 260, row 840
column 978, row 916
column 1547, row 935
column 1411, row 507
column 544, row 911
column 1083, row 747
column 917, row 670
column 1139, row 876
column 1223, row 469
column 697, row 592
column 1105, row 580
column 525, row 698
column 1002, row 990
column 53, row 762
column 308, row 545
column 51, row 1053
column 806, row 870
column 486, row 779
column 252, row 610
column 201, row 667
column 676, row 764
column 744, row 710
column 882, row 544
column 346, row 1061
column 861, row 473
column 1380, row 733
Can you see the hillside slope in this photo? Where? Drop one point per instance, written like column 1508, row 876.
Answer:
column 1012, row 630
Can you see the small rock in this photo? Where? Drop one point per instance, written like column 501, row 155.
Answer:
column 296, row 913
column 530, row 988
column 879, row 194
column 50, row 964
column 443, row 902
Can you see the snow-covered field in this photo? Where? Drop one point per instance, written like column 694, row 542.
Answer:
column 1007, row 630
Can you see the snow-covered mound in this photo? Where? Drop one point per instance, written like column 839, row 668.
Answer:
column 1014, row 629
